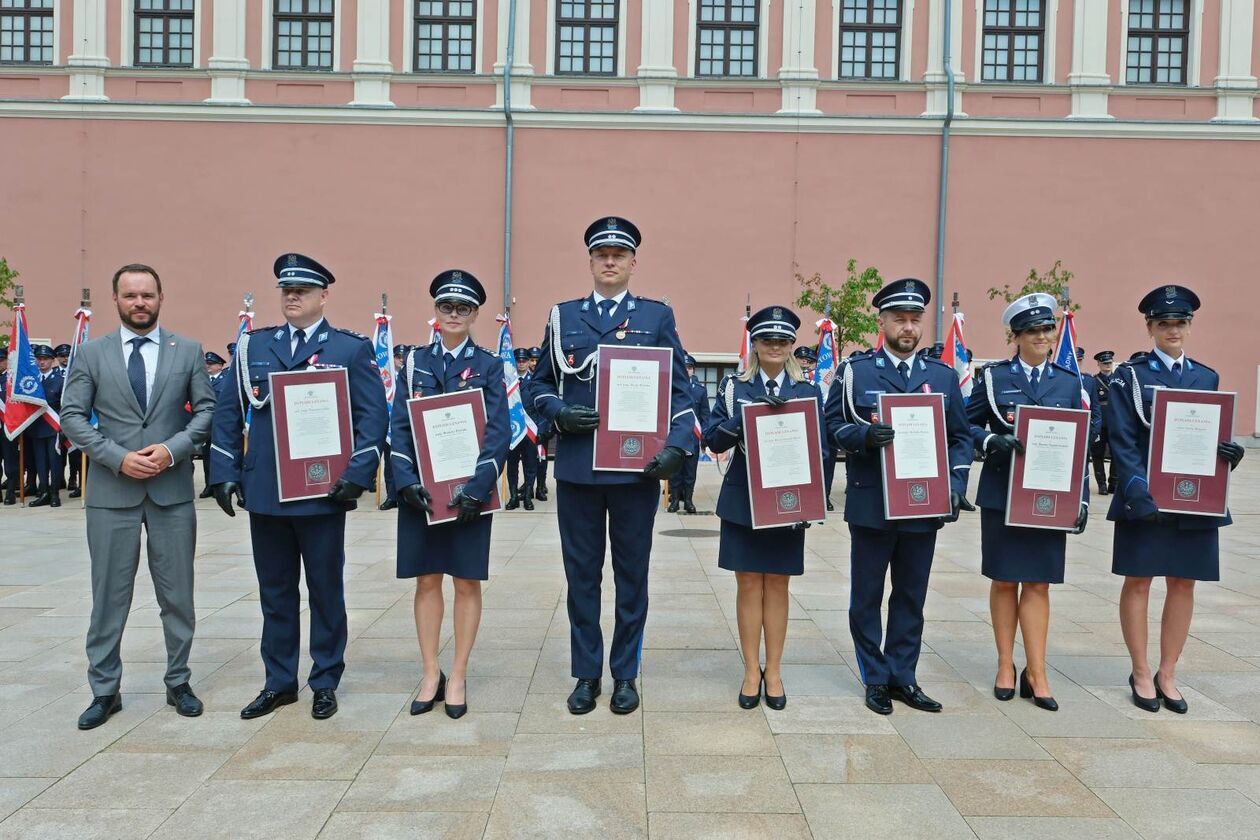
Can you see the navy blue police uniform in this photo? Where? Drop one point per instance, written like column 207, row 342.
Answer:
column 1020, row 555
column 62, row 353
column 43, row 437
column 8, row 448
column 525, row 454
column 878, row 544
column 217, row 382
column 545, row 433
column 309, row 534
column 400, row 352
column 595, row 506
column 683, row 484
column 1148, row 543
column 1099, row 386
column 451, row 548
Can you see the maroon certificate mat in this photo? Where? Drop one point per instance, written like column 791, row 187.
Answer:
column 1184, row 473
column 1047, row 483
column 310, row 422
column 447, row 431
column 784, row 455
column 915, row 466
column 632, row 390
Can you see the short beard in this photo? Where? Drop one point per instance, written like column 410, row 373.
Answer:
column 133, row 325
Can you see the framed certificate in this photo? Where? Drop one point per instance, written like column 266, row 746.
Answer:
column 447, row 430
column 1184, row 473
column 310, row 422
column 915, row 466
column 784, row 454
column 1047, row 483
column 632, row 390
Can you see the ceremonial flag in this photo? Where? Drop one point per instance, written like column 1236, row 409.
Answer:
column 81, row 318
column 522, row 424
column 383, row 343
column 1065, row 354
column 435, row 332
column 745, row 344
column 825, row 370
column 25, row 401
column 956, row 356
column 246, row 323
column 879, row 340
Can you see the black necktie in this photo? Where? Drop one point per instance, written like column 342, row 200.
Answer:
column 771, row 386
column 136, row 375
column 1176, row 372
column 605, row 312
column 904, row 370
column 300, row 335
column 1035, row 378
column 448, row 359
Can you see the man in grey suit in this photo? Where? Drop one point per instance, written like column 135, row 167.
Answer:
column 138, row 381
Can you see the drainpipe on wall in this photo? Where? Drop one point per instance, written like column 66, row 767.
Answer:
column 510, row 152
column 942, row 211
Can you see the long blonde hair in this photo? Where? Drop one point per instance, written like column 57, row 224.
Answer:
column 791, row 365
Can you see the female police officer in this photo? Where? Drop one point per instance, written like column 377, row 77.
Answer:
column 1015, row 559
column 1147, row 542
column 762, row 560
column 461, row 549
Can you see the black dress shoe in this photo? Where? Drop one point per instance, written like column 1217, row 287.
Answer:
column 388, row 504
column 541, row 492
column 582, row 700
column 527, row 502
column 10, row 499
column 184, row 701
column 1005, row 694
column 914, row 697
column 1178, row 706
column 54, row 500
column 778, row 703
column 267, row 702
column 40, row 501
column 204, row 494
column 830, row 506
column 1146, row 704
column 455, row 711
column 100, row 710
column 1026, row 692
column 419, row 707
column 673, row 505
column 751, row 701
column 625, row 697
column 76, row 493
column 513, row 501
column 688, row 507
column 877, row 700
column 324, row 704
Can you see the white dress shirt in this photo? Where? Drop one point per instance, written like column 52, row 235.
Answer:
column 458, row 350
column 778, row 381
column 616, row 299
column 1028, row 369
column 309, row 332
column 1169, row 360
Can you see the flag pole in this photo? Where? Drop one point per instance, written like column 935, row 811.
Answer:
column 380, row 465
column 85, row 302
column 19, row 297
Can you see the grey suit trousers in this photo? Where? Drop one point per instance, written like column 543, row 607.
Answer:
column 113, row 537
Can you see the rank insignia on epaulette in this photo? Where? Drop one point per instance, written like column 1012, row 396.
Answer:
column 879, row 361
column 323, row 336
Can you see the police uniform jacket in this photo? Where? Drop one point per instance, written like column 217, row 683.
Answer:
column 572, row 337
column 725, row 431
column 266, row 351
column 700, row 402
column 1000, row 387
column 54, row 382
column 852, row 404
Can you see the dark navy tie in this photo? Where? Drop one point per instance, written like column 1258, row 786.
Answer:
column 1035, row 378
column 1176, row 372
column 904, row 370
column 136, row 375
column 300, row 335
column 448, row 359
column 605, row 312
column 771, row 387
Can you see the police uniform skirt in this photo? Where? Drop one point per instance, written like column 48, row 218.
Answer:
column 1020, row 555
column 461, row 551
column 1150, row 549
column 772, row 551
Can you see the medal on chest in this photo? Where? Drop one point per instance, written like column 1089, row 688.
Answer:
column 464, row 377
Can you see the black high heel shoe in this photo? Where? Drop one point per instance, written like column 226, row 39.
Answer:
column 777, row 703
column 1026, row 691
column 1146, row 704
column 419, row 707
column 1005, row 693
column 457, row 711
column 751, row 701
column 1178, row 706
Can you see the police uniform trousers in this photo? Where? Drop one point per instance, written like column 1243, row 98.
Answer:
column 771, row 551
column 74, row 460
column 1020, row 555
column 542, row 465
column 283, row 545
column 909, row 554
column 387, row 467
column 1098, row 454
column 685, row 479
column 46, row 462
column 524, row 453
column 9, row 455
column 589, row 516
column 205, row 463
column 461, row 551
column 1151, row 549
column 829, row 471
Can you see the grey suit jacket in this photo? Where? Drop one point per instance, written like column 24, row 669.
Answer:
column 98, row 383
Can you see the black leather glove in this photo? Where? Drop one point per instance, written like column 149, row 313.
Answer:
column 957, row 503
column 800, row 526
column 1004, row 444
column 1081, row 520
column 1232, row 452
column 771, row 400
column 878, row 435
column 223, row 494
column 416, row 496
column 577, row 420
column 1160, row 518
column 345, row 491
column 469, row 509
column 667, row 462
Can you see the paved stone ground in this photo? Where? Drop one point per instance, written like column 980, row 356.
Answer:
column 689, row 764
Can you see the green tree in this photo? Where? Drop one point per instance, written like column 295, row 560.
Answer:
column 848, row 306
column 1053, row 282
column 8, row 277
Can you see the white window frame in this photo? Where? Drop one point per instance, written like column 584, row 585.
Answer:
column 551, row 43
column 907, row 42
column 763, row 48
column 128, row 58
column 1193, row 56
column 1049, row 46
column 268, row 35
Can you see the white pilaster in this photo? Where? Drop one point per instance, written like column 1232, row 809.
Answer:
column 934, row 78
column 1235, row 86
column 656, row 66
column 372, row 69
column 799, row 76
column 522, row 70
column 88, row 61
column 228, row 62
column 1089, row 79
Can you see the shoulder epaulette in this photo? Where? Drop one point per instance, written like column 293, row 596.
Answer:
column 261, row 330
column 1066, row 369
column 488, row 352
column 935, row 361
column 651, row 300
column 351, row 333
column 1197, row 363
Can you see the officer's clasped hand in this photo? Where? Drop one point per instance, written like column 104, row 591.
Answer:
column 1004, row 444
column 577, row 419
column 1231, row 452
column 469, row 509
column 771, row 400
column 667, row 462
column 345, row 491
column 416, row 496
column 878, row 435
column 223, row 494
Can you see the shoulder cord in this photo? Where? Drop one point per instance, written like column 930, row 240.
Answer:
column 729, row 398
column 1137, row 395
column 557, row 353
column 988, row 389
column 848, row 396
column 242, row 354
column 411, row 371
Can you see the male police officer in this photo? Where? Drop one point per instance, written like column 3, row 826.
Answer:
column 1099, row 392
column 8, row 448
column 43, row 437
column 545, row 431
column 524, row 453
column 683, row 484
column 619, row 505
column 906, row 545
column 289, row 535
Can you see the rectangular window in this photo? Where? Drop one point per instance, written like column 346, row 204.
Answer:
column 726, row 35
column 1159, row 39
column 26, row 31
column 302, row 36
column 444, row 36
column 163, row 34
column 586, row 37
column 711, row 375
column 1014, row 37
column 870, row 39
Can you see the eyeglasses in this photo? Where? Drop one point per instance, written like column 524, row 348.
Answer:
column 463, row 310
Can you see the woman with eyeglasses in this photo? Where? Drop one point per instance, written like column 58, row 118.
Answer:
column 1149, row 543
column 461, row 549
column 763, row 560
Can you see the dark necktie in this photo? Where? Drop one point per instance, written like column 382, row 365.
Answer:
column 605, row 312
column 1035, row 379
column 1176, row 372
column 300, row 335
column 136, row 375
column 904, row 370
column 448, row 360
column 771, row 387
